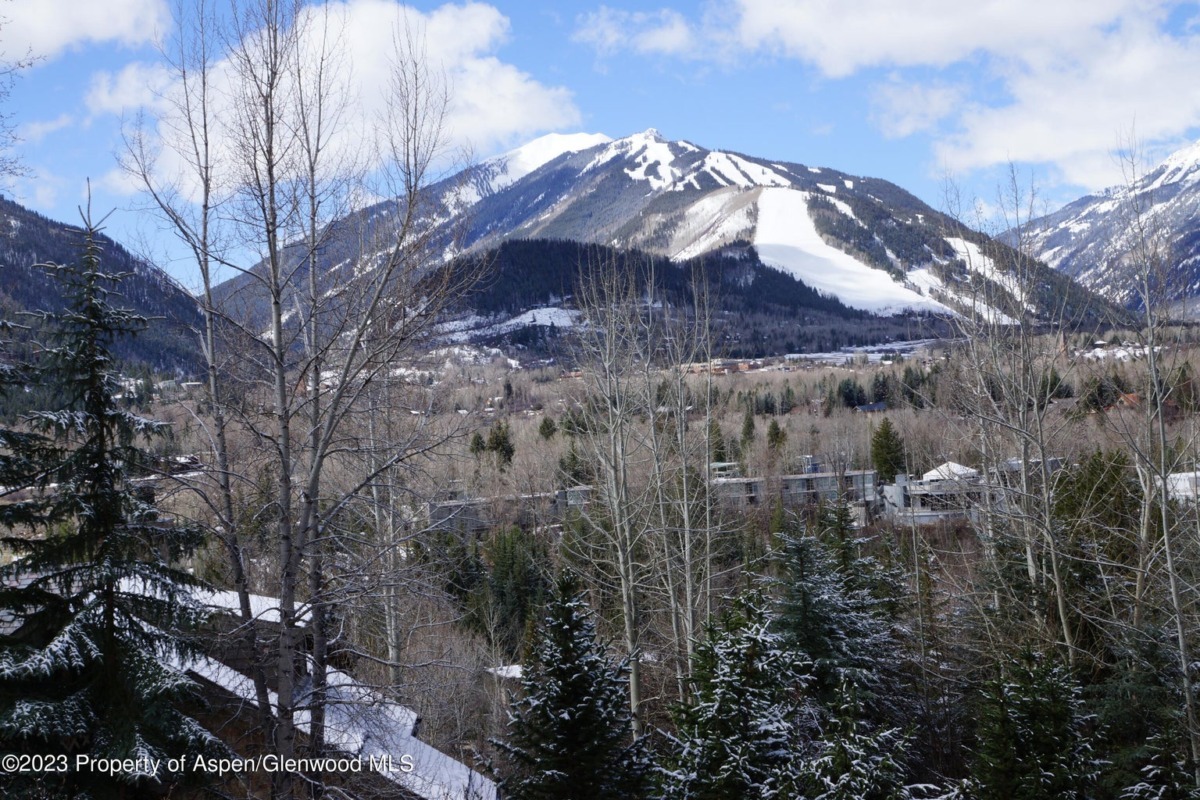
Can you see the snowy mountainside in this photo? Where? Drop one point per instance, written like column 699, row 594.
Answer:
column 863, row 241
column 1095, row 239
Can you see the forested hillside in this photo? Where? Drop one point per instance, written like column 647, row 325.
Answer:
column 754, row 310
column 28, row 240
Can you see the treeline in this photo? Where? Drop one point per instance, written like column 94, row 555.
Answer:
column 755, row 310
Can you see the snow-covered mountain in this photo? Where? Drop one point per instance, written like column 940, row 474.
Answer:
column 1099, row 239
column 864, row 241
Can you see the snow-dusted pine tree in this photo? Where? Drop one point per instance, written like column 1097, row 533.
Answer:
column 831, row 612
column 90, row 605
column 570, row 733
column 743, row 735
column 853, row 762
column 1032, row 734
column 1166, row 776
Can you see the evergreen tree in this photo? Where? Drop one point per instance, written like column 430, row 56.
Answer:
column 887, row 452
column 500, row 442
column 574, row 470
column 1166, row 776
column 776, row 436
column 854, row 763
column 830, row 612
column 851, row 393
column 92, row 606
column 718, row 452
column 570, row 734
column 547, row 429
column 515, row 586
column 743, row 733
column 883, row 388
column 747, row 428
column 1032, row 741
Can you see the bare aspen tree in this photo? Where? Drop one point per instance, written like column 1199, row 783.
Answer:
column 1145, row 260
column 312, row 376
column 684, row 514
column 190, row 201
column 1010, row 374
column 615, row 321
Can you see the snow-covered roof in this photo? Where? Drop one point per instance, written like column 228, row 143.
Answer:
column 362, row 722
column 507, row 671
column 950, row 471
column 264, row 609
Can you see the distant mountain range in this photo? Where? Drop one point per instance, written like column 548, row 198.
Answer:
column 1097, row 238
column 864, row 242
column 800, row 257
column 28, row 239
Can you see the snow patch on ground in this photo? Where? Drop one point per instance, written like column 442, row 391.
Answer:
column 788, row 241
column 728, row 169
column 930, row 284
column 976, row 261
column 467, row 328
column 508, row 671
column 715, row 220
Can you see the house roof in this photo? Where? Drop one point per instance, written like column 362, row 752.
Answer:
column 950, row 471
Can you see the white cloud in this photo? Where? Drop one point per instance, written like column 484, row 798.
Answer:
column 40, row 189
column 491, row 103
column 36, row 131
column 1073, row 114
column 48, row 27
column 1049, row 83
column 120, row 183
column 841, row 37
column 662, row 32
column 136, row 85
column 989, row 81
column 495, row 103
column 903, row 108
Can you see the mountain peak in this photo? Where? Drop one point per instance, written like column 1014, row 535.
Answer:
column 528, row 157
column 1179, row 163
column 650, row 134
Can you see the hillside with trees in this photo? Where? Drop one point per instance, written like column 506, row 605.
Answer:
column 362, row 558
column 28, row 239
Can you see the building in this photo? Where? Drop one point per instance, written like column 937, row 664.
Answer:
column 946, row 493
column 855, row 486
column 477, row 515
column 953, row 492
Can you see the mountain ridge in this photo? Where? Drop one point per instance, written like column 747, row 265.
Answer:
column 865, row 241
column 1096, row 238
column 28, row 239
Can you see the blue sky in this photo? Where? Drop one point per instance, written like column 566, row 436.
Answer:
column 912, row 92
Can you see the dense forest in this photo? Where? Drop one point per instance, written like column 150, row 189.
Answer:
column 28, row 240
column 754, row 310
